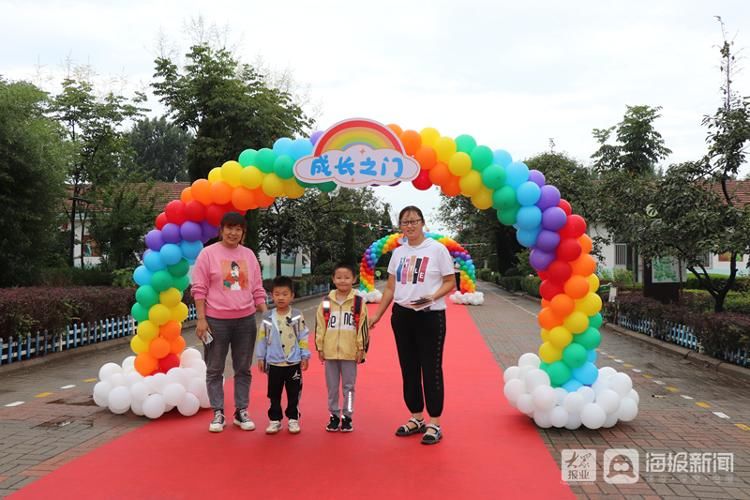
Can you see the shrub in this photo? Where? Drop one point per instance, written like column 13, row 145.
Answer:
column 512, row 271
column 486, row 274
column 701, row 300
column 123, row 278
column 75, row 276
column 510, row 283
column 530, row 285
column 741, row 284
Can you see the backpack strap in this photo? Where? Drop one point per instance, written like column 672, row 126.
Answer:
column 326, row 310
column 296, row 320
column 357, row 311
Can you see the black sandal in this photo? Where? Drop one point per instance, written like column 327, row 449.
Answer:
column 406, row 430
column 432, row 437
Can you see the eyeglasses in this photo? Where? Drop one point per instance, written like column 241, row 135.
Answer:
column 410, row 222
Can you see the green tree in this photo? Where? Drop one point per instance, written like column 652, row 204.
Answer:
column 160, row 149
column 32, row 170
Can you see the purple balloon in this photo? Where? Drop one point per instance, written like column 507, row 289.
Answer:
column 170, row 233
column 154, row 240
column 540, row 260
column 536, row 177
column 316, row 136
column 550, row 197
column 554, row 218
column 191, row 231
column 208, row 231
column 547, row 241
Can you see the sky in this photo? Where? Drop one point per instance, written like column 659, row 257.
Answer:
column 511, row 74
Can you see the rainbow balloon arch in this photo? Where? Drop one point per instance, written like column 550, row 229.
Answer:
column 560, row 386
column 467, row 294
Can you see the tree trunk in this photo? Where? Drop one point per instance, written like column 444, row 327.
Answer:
column 278, row 255
column 71, row 253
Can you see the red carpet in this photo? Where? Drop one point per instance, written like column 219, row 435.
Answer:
column 488, row 451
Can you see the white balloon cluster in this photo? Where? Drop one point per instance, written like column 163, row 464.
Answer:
column 373, row 297
column 609, row 399
column 474, row 299
column 122, row 388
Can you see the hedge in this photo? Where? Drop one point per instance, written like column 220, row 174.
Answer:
column 741, row 284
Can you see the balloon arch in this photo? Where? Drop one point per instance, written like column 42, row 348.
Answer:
column 467, row 294
column 561, row 386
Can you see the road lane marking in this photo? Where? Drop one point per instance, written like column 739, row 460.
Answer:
column 647, row 375
column 686, row 396
column 703, row 404
column 743, row 427
column 69, row 386
column 636, row 370
column 672, row 389
column 14, row 403
column 42, row 394
column 659, row 382
column 627, row 365
column 89, row 380
column 721, row 414
column 618, row 361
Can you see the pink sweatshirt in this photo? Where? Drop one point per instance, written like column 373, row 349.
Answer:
column 229, row 280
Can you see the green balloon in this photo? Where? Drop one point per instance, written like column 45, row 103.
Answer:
column 543, row 366
column 139, row 312
column 589, row 339
column 494, row 177
column 284, row 167
column 465, row 144
column 179, row 269
column 146, row 295
column 305, row 184
column 559, row 373
column 326, row 187
column 481, row 158
column 574, row 355
column 504, row 198
column 182, row 282
column 507, row 216
column 596, row 320
column 161, row 280
column 247, row 157
column 265, row 159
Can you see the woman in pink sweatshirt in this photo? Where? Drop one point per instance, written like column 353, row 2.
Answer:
column 228, row 290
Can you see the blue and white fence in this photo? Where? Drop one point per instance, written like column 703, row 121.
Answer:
column 14, row 349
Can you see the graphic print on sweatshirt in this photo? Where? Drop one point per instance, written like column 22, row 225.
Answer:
column 412, row 270
column 235, row 274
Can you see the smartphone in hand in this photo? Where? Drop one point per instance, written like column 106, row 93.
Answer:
column 208, row 338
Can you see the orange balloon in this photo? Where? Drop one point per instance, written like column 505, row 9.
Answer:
column 396, row 129
column 170, row 330
column 577, row 287
column 177, row 345
column 586, row 243
column 562, row 305
column 243, row 198
column 426, row 156
column 451, row 187
column 584, row 265
column 545, row 303
column 412, row 141
column 262, row 199
column 439, row 174
column 221, row 193
column 146, row 364
column 186, row 196
column 547, row 319
column 158, row 348
column 201, row 191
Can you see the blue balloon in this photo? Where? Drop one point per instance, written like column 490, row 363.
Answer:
column 591, row 356
column 572, row 385
column 142, row 276
column 516, row 174
column 170, row 254
column 283, row 146
column 300, row 148
column 502, row 157
column 528, row 193
column 152, row 261
column 191, row 249
column 586, row 374
column 529, row 217
column 527, row 237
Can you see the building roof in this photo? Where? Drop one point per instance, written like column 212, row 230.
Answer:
column 738, row 190
column 164, row 192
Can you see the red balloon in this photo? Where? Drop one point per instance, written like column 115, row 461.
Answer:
column 422, row 182
column 195, row 211
column 214, row 213
column 161, row 220
column 543, row 275
column 565, row 206
column 175, row 212
column 574, row 227
column 559, row 271
column 168, row 362
column 568, row 249
column 549, row 289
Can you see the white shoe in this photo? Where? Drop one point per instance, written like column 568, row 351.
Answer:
column 294, row 426
column 274, row 426
column 217, row 424
column 242, row 420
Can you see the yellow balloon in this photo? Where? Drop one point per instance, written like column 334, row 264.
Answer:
column 590, row 304
column 593, row 283
column 179, row 312
column 137, row 345
column 147, row 330
column 482, row 199
column 170, row 298
column 429, row 136
column 576, row 322
column 460, row 164
column 272, row 185
column 470, row 183
column 549, row 353
column 292, row 189
column 230, row 172
column 445, row 147
column 251, row 177
column 560, row 337
column 159, row 314
column 544, row 333
column 215, row 175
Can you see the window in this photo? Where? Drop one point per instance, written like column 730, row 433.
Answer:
column 705, row 259
column 621, row 254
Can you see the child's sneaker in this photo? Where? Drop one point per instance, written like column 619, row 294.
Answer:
column 217, row 424
column 274, row 426
column 242, row 419
column 333, row 424
column 346, row 424
column 294, row 426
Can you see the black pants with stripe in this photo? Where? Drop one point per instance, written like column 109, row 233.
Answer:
column 279, row 378
column 420, row 336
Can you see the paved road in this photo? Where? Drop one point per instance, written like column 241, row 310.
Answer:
column 684, row 409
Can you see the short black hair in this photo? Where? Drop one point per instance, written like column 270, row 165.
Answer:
column 283, row 282
column 410, row 208
column 234, row 219
column 343, row 265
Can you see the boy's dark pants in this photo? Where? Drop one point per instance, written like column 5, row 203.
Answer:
column 280, row 377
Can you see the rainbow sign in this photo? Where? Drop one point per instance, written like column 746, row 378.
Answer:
column 357, row 152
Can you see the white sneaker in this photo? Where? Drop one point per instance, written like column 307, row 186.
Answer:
column 294, row 426
column 217, row 424
column 242, row 419
column 274, row 426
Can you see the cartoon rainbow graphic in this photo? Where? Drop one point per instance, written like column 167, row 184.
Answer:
column 355, row 132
